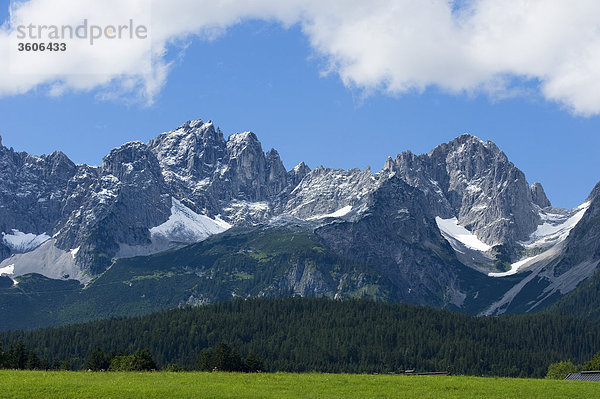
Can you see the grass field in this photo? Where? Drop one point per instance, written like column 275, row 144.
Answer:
column 54, row 384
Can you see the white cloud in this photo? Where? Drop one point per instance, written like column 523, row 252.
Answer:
column 390, row 46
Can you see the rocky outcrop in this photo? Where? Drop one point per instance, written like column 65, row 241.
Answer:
column 583, row 243
column 125, row 198
column 296, row 175
column 32, row 190
column 398, row 235
column 475, row 182
column 276, row 175
column 190, row 157
column 324, row 191
column 538, row 196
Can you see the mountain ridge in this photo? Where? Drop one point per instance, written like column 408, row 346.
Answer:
column 443, row 226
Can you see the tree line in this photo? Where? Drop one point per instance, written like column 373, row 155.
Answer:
column 19, row 357
column 355, row 336
column 222, row 358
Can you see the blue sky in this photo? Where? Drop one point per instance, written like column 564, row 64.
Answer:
column 261, row 76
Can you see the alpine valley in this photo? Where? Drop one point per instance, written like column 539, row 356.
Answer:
column 191, row 218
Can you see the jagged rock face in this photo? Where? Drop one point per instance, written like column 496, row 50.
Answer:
column 398, row 235
column 123, row 201
column 249, row 174
column 324, row 191
column 245, row 174
column 583, row 243
column 189, row 158
column 276, row 175
column 139, row 201
column 194, row 149
column 32, row 190
column 296, row 175
column 538, row 195
column 475, row 182
column 206, row 172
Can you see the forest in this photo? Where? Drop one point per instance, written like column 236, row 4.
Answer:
column 301, row 335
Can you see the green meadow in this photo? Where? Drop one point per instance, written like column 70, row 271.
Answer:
column 61, row 384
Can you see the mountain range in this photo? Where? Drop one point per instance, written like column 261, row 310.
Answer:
column 191, row 217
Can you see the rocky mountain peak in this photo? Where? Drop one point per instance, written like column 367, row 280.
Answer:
column 193, row 151
column 276, row 173
column 129, row 160
column 60, row 166
column 239, row 142
column 475, row 182
column 301, row 168
column 538, row 196
column 245, row 174
column 595, row 194
column 388, row 165
column 297, row 174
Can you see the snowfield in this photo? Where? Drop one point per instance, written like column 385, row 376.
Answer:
column 337, row 214
column 451, row 228
column 10, row 269
column 555, row 229
column 556, row 226
column 24, row 242
column 47, row 260
column 185, row 225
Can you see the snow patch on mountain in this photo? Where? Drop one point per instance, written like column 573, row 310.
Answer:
column 185, row 225
column 74, row 252
column 10, row 269
column 539, row 272
column 23, row 242
column 514, row 267
column 451, row 228
column 47, row 260
column 337, row 214
column 556, row 226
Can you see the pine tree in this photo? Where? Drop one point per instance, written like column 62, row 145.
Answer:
column 66, row 365
column 33, row 362
column 254, row 364
column 143, row 361
column 97, row 361
column 221, row 358
column 203, row 362
column 18, row 356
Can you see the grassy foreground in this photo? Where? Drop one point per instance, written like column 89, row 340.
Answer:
column 54, row 384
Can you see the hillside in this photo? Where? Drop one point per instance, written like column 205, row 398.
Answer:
column 252, row 262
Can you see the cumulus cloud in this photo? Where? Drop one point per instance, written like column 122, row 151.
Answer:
column 388, row 46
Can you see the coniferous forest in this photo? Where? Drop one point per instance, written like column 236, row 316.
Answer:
column 300, row 335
